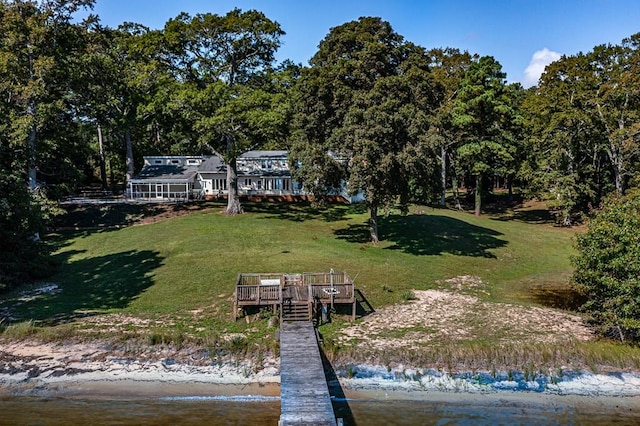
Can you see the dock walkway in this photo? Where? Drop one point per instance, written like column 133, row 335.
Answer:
column 304, row 395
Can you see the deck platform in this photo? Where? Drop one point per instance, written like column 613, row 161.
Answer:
column 304, row 394
column 297, row 297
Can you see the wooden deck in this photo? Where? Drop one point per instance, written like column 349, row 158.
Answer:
column 304, row 395
column 307, row 292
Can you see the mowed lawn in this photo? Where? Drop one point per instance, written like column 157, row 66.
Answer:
column 191, row 262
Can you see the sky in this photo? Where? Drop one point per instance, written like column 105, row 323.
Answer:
column 523, row 35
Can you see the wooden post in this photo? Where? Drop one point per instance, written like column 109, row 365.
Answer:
column 353, row 311
column 309, row 302
column 281, row 304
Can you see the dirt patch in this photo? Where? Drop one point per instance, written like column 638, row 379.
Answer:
column 445, row 316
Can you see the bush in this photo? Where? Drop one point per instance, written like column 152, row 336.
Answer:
column 607, row 268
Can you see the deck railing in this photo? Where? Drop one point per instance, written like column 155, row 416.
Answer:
column 335, row 292
column 276, row 289
column 258, row 294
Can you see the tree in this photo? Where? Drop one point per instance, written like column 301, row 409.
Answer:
column 585, row 125
column 607, row 268
column 448, row 67
column 483, row 112
column 38, row 135
column 37, row 40
column 363, row 108
column 219, row 56
column 566, row 161
column 616, row 103
column 122, row 79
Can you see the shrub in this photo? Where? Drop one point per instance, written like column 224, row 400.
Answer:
column 607, row 268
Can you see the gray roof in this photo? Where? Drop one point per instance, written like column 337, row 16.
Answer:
column 213, row 164
column 265, row 154
column 166, row 173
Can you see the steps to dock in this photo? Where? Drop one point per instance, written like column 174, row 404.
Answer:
column 304, row 394
column 296, row 312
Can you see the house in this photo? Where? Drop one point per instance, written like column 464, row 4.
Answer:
column 180, row 178
column 165, row 178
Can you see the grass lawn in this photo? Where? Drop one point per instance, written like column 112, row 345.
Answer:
column 192, row 261
column 180, row 272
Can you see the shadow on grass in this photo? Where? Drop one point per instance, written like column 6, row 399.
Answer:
column 429, row 235
column 97, row 216
column 533, row 216
column 301, row 211
column 89, row 285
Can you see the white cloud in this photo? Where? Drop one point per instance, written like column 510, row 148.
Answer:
column 539, row 61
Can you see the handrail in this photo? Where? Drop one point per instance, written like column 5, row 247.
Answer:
column 268, row 288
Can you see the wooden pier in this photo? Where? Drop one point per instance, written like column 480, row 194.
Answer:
column 297, row 297
column 304, row 394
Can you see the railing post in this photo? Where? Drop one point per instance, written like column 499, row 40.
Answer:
column 281, row 303
column 309, row 302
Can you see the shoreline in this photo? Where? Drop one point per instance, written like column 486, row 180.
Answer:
column 89, row 369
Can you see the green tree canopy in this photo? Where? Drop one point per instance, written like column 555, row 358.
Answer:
column 217, row 58
column 363, row 110
column 484, row 114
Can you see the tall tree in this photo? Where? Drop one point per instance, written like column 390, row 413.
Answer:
column 363, row 108
column 585, row 127
column 219, row 56
column 38, row 41
column 448, row 67
column 483, row 112
column 616, row 103
column 122, row 78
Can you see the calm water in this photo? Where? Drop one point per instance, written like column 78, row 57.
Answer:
column 447, row 410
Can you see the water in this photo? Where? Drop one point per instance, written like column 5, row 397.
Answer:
column 378, row 409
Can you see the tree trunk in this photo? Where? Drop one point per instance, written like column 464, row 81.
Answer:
column 454, row 182
column 510, row 189
column 617, row 175
column 478, row 197
column 103, row 166
column 233, row 199
column 373, row 223
column 443, row 175
column 129, row 159
column 31, row 150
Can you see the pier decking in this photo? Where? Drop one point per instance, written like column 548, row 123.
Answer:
column 304, row 395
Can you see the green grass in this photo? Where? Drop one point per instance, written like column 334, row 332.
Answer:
column 192, row 261
column 165, row 271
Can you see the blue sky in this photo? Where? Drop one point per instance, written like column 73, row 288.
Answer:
column 515, row 32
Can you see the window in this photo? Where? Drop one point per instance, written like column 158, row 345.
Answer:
column 175, row 161
column 157, row 162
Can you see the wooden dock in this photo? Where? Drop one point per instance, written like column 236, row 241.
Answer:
column 298, row 297
column 304, row 394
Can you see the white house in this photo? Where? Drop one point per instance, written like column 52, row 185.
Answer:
column 175, row 178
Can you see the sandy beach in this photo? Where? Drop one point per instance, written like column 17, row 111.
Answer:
column 76, row 383
column 32, row 367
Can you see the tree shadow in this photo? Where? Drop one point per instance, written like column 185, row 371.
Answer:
column 302, row 211
column 533, row 216
column 109, row 215
column 429, row 235
column 87, row 286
